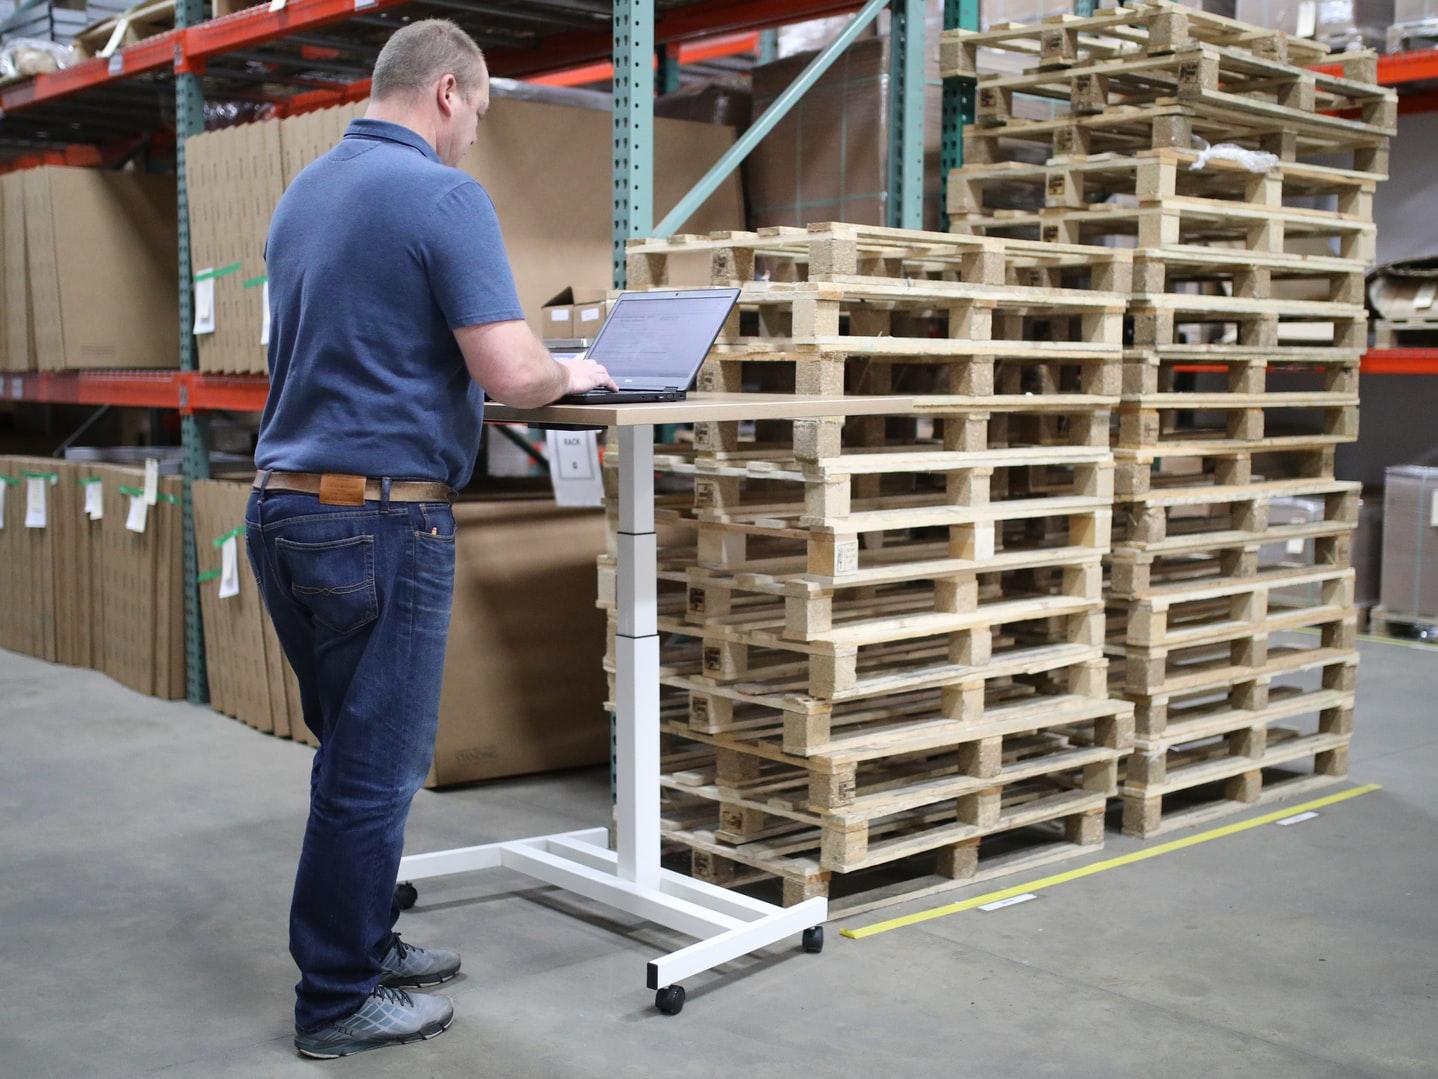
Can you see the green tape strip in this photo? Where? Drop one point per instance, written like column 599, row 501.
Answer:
column 85, row 481
column 133, row 492
column 171, row 499
column 208, row 575
column 11, row 481
column 223, row 271
column 53, row 477
column 231, row 534
column 256, row 282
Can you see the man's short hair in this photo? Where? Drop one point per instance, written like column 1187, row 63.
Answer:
column 414, row 57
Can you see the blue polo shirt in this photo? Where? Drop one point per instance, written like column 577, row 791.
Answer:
column 377, row 252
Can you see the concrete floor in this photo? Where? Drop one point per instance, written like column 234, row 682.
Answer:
column 148, row 847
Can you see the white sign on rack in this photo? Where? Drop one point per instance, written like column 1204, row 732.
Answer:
column 574, row 467
column 36, row 492
column 138, row 515
column 204, row 302
column 94, row 500
column 229, row 568
column 152, row 481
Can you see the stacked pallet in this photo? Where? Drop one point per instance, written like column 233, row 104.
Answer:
column 1241, row 377
column 883, row 638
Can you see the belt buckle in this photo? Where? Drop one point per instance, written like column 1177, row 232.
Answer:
column 338, row 489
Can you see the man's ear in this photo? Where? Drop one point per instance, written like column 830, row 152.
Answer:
column 445, row 91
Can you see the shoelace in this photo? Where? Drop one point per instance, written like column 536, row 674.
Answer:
column 394, row 996
column 401, row 949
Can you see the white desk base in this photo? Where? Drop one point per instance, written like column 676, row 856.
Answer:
column 629, row 878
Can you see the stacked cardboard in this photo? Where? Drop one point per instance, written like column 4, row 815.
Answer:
column 557, row 220
column 522, row 572
column 90, row 266
column 93, row 591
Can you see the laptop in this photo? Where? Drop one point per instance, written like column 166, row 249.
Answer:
column 653, row 344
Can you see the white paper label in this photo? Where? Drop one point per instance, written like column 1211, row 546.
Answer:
column 95, row 501
column 229, row 569
column 116, row 65
column 1294, row 546
column 17, row 388
column 152, row 481
column 983, row 541
column 205, row 305
column 360, row 5
column 1307, row 18
column 139, row 513
column 1297, row 818
column 265, row 314
column 1011, row 901
column 590, row 314
column 559, row 316
column 1425, row 295
column 35, row 495
column 3, row 487
column 574, row 467
column 277, row 5
column 1433, row 510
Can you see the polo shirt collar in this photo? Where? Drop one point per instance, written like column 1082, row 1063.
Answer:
column 382, row 129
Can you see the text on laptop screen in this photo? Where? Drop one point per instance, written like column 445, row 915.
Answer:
column 659, row 338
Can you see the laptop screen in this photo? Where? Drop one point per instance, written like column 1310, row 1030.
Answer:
column 661, row 338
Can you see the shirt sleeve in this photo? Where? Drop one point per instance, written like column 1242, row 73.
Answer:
column 469, row 273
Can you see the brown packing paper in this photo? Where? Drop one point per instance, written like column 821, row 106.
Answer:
column 523, row 611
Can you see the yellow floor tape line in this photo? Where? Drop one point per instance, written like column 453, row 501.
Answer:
column 1107, row 864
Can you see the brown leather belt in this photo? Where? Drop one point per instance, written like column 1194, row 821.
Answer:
column 338, row 489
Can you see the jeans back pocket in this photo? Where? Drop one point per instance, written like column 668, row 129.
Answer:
column 333, row 580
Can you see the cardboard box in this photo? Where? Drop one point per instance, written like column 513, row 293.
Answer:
column 574, row 313
column 1410, row 542
column 524, row 685
column 29, row 558
column 827, row 160
column 102, row 258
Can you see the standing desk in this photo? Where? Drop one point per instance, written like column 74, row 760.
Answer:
column 728, row 924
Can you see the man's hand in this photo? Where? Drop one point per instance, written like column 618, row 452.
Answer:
column 585, row 375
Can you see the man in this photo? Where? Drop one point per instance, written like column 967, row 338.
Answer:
column 393, row 311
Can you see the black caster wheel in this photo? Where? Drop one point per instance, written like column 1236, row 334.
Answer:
column 670, row 999
column 814, row 940
column 405, row 895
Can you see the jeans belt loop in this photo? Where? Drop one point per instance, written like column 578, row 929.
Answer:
column 263, row 475
column 384, row 492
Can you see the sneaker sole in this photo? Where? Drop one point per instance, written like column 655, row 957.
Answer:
column 424, row 1034
column 418, row 982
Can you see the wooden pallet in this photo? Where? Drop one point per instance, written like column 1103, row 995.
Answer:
column 1229, row 675
column 1209, row 783
column 912, row 856
column 1194, row 517
column 1405, row 333
column 1129, row 129
column 1136, row 30
column 1404, row 627
column 1003, row 198
column 786, row 254
column 1218, row 82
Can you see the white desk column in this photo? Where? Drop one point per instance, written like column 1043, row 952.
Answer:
column 636, row 693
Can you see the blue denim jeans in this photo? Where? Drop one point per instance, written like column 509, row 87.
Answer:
column 360, row 597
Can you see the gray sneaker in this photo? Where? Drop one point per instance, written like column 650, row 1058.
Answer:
column 407, row 966
column 388, row 1017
